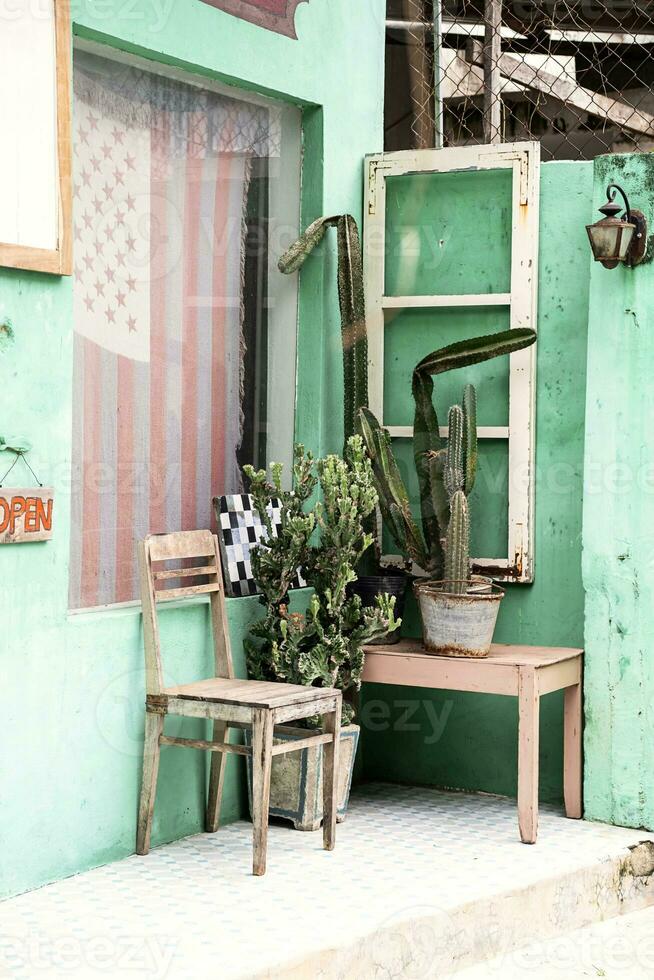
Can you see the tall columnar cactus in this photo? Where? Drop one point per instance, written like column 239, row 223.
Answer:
column 459, row 479
column 470, row 437
column 457, row 546
column 351, row 298
column 443, row 470
column 454, row 459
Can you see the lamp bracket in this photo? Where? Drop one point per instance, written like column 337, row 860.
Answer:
column 611, row 209
column 638, row 245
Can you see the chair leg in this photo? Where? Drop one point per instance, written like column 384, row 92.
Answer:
column 216, row 779
column 262, row 743
column 331, row 726
column 151, row 749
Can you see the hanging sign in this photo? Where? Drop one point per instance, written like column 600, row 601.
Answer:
column 274, row 15
column 26, row 514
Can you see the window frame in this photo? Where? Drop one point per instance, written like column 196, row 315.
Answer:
column 285, row 302
column 523, row 159
column 59, row 259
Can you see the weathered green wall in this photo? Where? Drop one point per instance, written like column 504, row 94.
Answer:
column 72, row 686
column 618, row 532
column 470, row 741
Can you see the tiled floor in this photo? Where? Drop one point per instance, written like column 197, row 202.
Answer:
column 407, row 860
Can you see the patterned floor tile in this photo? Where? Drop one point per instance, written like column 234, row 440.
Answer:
column 192, row 907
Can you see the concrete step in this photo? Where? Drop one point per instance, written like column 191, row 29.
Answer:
column 617, row 948
column 501, row 930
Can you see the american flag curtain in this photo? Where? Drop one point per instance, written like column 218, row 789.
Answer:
column 161, row 181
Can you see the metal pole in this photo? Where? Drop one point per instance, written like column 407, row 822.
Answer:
column 420, row 78
column 492, row 74
column 438, row 99
column 407, row 25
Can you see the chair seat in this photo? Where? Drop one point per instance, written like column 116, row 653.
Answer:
column 250, row 694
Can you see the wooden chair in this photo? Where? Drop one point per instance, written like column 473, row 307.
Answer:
column 228, row 702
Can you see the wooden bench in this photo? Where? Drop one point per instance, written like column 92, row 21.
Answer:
column 520, row 671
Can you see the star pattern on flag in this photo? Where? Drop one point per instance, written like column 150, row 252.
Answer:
column 108, row 229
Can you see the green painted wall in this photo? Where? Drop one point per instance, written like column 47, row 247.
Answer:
column 618, row 533
column 72, row 686
column 463, row 740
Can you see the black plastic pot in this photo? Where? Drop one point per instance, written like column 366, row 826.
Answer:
column 368, row 587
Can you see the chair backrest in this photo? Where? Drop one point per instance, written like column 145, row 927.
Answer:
column 194, row 555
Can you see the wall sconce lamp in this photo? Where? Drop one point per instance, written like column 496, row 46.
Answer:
column 614, row 240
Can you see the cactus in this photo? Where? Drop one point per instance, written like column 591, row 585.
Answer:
column 453, row 475
column 457, row 547
column 426, row 443
column 459, row 478
column 393, row 497
column 351, row 299
column 443, row 471
column 470, row 436
column 323, row 646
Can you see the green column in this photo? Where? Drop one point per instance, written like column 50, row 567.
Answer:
column 618, row 524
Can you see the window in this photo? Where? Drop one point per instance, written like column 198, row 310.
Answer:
column 35, row 186
column 460, row 228
column 184, row 330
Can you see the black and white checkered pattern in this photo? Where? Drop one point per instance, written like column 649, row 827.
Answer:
column 240, row 528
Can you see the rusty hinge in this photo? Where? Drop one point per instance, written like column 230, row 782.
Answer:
column 157, row 704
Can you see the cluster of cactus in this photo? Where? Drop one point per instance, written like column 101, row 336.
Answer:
column 323, row 646
column 446, row 474
column 276, row 566
column 352, row 305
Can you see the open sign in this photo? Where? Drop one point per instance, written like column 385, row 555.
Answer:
column 26, row 515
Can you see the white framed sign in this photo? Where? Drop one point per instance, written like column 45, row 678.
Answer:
column 35, row 161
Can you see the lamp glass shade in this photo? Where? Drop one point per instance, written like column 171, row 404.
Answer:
column 610, row 239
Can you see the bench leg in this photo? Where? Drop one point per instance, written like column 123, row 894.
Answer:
column 262, row 744
column 528, row 736
column 216, row 779
column 151, row 751
column 331, row 726
column 572, row 751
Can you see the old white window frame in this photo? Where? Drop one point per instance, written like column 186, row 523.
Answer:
column 522, row 301
column 36, row 163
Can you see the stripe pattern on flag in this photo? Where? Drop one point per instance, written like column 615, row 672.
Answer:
column 158, row 351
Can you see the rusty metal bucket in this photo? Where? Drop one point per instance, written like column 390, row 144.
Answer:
column 457, row 624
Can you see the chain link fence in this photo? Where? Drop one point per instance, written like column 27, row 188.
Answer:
column 577, row 75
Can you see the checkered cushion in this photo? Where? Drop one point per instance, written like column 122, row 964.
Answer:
column 239, row 529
